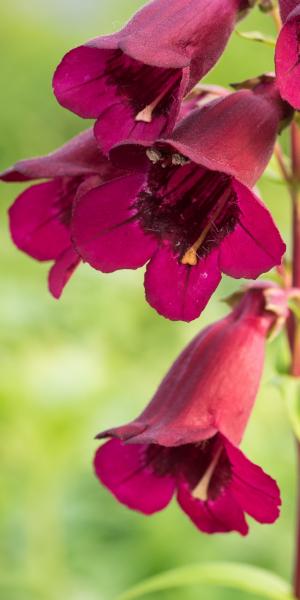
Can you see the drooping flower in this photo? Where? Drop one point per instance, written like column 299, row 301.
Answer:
column 133, row 81
column 287, row 53
column 187, row 208
column 40, row 217
column 185, row 441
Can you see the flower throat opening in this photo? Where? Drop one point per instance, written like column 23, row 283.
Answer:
column 154, row 87
column 192, row 207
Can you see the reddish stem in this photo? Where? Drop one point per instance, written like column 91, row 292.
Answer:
column 295, row 141
column 295, row 326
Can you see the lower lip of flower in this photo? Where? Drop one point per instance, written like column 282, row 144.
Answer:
column 189, row 206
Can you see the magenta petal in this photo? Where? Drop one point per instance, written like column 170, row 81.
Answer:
column 80, row 156
column 184, row 33
column 126, row 127
column 214, row 516
column 235, row 134
column 255, row 246
column 177, row 291
column 79, row 82
column 62, row 270
column 255, row 491
column 36, row 221
column 287, row 59
column 106, row 231
column 121, row 468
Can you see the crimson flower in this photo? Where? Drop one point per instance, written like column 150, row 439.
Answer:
column 133, row 81
column 287, row 54
column 40, row 217
column 185, row 441
column 186, row 209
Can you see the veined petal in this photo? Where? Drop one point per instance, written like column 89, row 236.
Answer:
column 255, row 246
column 122, row 469
column 127, row 127
column 235, row 134
column 62, row 270
column 213, row 516
column 255, row 491
column 105, row 229
column 37, row 220
column 180, row 292
column 79, row 83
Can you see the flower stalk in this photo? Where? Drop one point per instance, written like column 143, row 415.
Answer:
column 295, row 339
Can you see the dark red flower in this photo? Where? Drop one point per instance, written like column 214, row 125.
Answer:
column 40, row 217
column 133, row 81
column 186, row 439
column 287, row 54
column 188, row 211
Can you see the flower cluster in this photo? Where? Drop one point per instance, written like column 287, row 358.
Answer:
column 165, row 178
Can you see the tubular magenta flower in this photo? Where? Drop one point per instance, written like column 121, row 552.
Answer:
column 40, row 217
column 185, row 441
column 133, row 81
column 188, row 211
column 287, row 53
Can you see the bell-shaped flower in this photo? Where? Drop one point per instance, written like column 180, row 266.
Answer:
column 186, row 209
column 186, row 440
column 133, row 81
column 40, row 217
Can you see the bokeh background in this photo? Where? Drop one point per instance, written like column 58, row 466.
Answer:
column 70, row 368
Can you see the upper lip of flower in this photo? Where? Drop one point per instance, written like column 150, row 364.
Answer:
column 210, row 388
column 134, row 88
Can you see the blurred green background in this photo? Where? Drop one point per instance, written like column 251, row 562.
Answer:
column 70, row 368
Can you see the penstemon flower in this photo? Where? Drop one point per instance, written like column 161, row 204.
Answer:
column 133, row 81
column 186, row 440
column 287, row 54
column 40, row 217
column 186, row 207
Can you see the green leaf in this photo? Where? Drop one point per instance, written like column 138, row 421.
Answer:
column 257, row 36
column 233, row 575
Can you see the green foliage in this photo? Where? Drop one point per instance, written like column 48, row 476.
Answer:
column 233, row 575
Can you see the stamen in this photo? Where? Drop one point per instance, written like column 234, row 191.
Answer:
column 154, row 155
column 179, row 160
column 201, row 490
column 190, row 256
column 145, row 114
